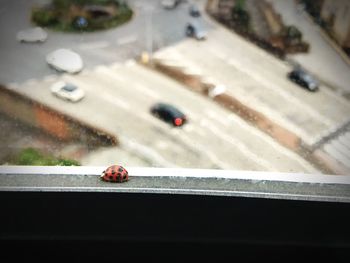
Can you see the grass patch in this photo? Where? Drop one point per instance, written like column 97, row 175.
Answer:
column 82, row 16
column 31, row 156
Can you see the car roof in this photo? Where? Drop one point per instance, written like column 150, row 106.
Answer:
column 305, row 75
column 69, row 87
column 169, row 108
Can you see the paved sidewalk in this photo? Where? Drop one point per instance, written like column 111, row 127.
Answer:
column 322, row 60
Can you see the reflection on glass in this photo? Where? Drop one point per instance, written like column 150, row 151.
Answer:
column 243, row 84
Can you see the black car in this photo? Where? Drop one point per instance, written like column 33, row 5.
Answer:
column 169, row 114
column 194, row 11
column 303, row 79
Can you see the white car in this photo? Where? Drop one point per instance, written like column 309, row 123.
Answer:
column 67, row 91
column 36, row 34
column 169, row 4
column 65, row 60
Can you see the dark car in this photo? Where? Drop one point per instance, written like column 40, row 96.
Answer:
column 169, row 114
column 196, row 30
column 194, row 11
column 304, row 79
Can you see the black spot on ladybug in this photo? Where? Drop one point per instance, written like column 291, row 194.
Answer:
column 120, row 169
column 113, row 172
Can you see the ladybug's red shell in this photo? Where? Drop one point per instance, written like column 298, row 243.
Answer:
column 115, row 173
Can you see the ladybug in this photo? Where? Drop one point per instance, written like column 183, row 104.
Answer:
column 115, row 173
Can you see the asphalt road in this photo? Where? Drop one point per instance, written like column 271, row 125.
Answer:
column 152, row 27
column 259, row 80
column 118, row 101
column 323, row 60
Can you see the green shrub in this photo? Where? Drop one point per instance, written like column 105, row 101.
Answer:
column 55, row 17
column 44, row 17
column 67, row 162
column 240, row 16
column 292, row 32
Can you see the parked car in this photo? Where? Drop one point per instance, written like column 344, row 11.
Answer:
column 194, row 11
column 170, row 4
column 169, row 114
column 36, row 34
column 65, row 60
column 303, row 79
column 67, row 91
column 196, row 30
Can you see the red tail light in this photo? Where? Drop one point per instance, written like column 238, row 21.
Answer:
column 178, row 121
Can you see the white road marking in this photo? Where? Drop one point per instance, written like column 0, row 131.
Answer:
column 194, row 129
column 145, row 151
column 188, row 128
column 271, row 142
column 146, row 91
column 116, row 65
column 50, row 78
column 127, row 40
column 115, row 101
column 94, row 45
column 197, row 147
column 282, row 121
column 347, row 136
column 220, row 54
column 107, row 97
column 341, row 148
column 106, row 71
column 337, row 155
column 287, row 96
column 344, row 140
column 162, row 145
column 141, row 88
column 100, row 68
column 243, row 148
column 215, row 116
column 199, row 131
column 130, row 63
